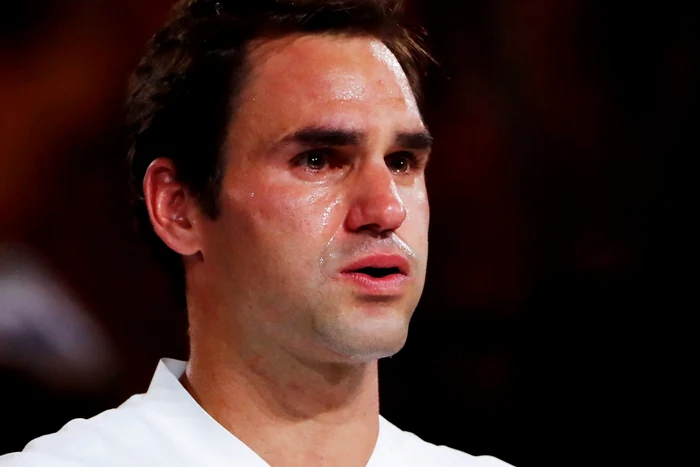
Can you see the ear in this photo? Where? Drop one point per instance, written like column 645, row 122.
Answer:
column 173, row 211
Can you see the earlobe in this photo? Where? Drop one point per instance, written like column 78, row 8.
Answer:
column 170, row 207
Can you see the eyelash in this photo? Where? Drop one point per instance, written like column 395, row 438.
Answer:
column 330, row 157
column 414, row 163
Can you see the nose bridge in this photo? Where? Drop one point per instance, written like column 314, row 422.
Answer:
column 378, row 176
column 377, row 204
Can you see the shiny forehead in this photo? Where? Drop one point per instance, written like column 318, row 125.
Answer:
column 331, row 67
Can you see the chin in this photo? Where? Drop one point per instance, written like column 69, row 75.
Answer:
column 367, row 341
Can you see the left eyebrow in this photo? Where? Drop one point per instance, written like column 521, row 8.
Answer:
column 421, row 140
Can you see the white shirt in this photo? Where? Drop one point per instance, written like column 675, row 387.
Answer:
column 166, row 427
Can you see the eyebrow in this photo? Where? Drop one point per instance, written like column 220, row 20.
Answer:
column 329, row 136
column 421, row 140
column 320, row 136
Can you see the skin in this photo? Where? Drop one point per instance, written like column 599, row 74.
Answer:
column 324, row 166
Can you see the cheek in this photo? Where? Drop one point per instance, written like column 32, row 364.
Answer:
column 417, row 213
column 283, row 214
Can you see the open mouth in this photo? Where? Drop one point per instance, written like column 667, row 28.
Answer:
column 378, row 273
column 386, row 275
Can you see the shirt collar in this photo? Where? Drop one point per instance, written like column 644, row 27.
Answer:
column 171, row 399
column 191, row 423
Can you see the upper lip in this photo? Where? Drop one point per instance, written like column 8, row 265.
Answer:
column 380, row 261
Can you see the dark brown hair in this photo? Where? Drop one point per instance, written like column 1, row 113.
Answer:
column 183, row 93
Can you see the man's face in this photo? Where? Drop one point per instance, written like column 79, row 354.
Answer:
column 321, row 246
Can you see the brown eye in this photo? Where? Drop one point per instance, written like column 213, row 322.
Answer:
column 400, row 162
column 313, row 160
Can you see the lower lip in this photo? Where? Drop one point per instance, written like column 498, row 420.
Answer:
column 392, row 284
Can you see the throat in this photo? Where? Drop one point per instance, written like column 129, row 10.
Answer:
column 289, row 413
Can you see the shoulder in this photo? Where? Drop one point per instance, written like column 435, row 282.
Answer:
column 116, row 437
column 419, row 452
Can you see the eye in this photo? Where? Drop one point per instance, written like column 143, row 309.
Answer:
column 400, row 162
column 312, row 160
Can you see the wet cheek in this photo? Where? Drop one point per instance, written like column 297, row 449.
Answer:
column 416, row 204
column 417, row 216
column 291, row 229
column 293, row 213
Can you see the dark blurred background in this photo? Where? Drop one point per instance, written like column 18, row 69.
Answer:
column 556, row 326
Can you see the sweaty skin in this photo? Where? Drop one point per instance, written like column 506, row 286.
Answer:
column 324, row 167
column 285, row 231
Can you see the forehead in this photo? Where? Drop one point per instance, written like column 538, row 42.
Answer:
column 327, row 77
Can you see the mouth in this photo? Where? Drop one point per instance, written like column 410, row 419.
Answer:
column 378, row 275
column 379, row 265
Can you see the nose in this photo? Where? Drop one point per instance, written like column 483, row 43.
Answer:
column 376, row 206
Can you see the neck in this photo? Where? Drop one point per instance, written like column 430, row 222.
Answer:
column 288, row 410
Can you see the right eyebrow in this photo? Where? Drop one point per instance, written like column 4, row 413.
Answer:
column 325, row 136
